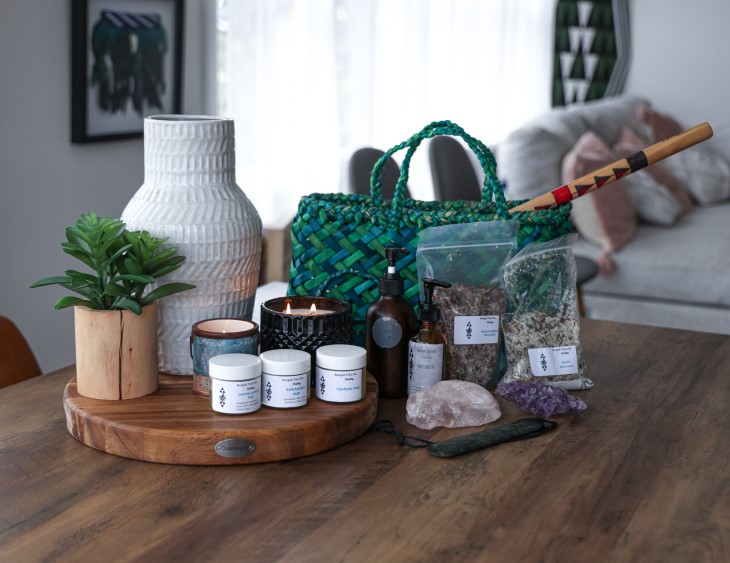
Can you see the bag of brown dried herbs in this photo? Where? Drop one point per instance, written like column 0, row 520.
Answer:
column 542, row 330
column 471, row 257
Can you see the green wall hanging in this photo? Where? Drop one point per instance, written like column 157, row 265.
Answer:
column 592, row 50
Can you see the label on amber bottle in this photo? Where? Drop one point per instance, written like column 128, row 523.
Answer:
column 387, row 332
column 425, row 365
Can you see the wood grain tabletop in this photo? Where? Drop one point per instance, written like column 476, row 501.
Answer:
column 642, row 475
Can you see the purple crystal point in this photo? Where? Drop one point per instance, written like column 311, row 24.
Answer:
column 540, row 399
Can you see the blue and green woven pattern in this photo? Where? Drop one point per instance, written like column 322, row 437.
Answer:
column 338, row 240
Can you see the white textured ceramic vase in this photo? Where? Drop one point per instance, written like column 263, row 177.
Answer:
column 190, row 196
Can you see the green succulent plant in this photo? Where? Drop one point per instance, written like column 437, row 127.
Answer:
column 123, row 264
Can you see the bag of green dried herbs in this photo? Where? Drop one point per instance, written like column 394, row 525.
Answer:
column 471, row 257
column 542, row 329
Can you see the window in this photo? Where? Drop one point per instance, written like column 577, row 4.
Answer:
column 310, row 81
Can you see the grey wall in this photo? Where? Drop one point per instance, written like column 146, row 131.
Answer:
column 680, row 61
column 46, row 182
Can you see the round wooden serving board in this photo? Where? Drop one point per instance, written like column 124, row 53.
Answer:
column 173, row 425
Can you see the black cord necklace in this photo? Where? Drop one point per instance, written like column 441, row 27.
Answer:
column 510, row 432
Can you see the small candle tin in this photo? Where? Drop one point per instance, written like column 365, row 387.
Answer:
column 235, row 383
column 341, row 373
column 213, row 337
column 285, row 378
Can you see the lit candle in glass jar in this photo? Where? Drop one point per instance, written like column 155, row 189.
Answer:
column 311, row 311
column 213, row 337
column 305, row 323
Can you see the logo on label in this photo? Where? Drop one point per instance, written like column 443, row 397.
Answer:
column 268, row 390
column 222, row 397
column 387, row 332
column 235, row 447
column 468, row 330
column 410, row 363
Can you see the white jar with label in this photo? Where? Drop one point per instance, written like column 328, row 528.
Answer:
column 341, row 374
column 286, row 378
column 235, row 383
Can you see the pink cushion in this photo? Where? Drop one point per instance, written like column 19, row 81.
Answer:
column 629, row 143
column 661, row 125
column 606, row 216
column 704, row 173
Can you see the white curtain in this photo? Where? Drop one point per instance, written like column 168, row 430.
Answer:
column 310, row 81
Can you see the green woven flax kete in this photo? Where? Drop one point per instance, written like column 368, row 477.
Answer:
column 338, row 240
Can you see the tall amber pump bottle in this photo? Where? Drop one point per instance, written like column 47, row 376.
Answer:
column 427, row 349
column 389, row 324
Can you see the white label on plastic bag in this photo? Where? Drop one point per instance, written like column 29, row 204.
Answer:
column 562, row 360
column 476, row 330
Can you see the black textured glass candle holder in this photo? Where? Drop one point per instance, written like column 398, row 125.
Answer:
column 301, row 329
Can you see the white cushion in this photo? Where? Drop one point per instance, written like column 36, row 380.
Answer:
column 608, row 116
column 706, row 174
column 654, row 203
column 530, row 158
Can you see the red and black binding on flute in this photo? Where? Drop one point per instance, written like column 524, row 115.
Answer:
column 618, row 169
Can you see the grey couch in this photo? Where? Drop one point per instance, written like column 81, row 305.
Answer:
column 676, row 276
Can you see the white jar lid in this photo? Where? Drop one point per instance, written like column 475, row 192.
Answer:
column 234, row 367
column 341, row 357
column 286, row 362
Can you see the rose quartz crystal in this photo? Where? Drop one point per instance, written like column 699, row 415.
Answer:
column 452, row 404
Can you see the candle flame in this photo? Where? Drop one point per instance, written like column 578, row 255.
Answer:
column 288, row 308
column 313, row 308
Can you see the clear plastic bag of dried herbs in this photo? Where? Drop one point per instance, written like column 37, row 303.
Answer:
column 542, row 329
column 471, row 257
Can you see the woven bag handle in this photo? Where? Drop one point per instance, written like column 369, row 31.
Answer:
column 491, row 188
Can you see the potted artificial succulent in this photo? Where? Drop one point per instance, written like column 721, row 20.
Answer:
column 115, row 318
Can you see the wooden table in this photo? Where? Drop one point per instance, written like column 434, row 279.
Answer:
column 642, row 475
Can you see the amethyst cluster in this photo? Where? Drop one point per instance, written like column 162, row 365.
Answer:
column 540, row 399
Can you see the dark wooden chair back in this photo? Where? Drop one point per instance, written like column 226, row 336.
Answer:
column 361, row 168
column 17, row 361
column 453, row 174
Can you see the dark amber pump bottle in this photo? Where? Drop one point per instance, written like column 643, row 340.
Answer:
column 389, row 324
column 427, row 349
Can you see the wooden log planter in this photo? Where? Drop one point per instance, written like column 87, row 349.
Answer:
column 116, row 353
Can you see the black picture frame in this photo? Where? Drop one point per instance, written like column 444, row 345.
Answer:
column 126, row 64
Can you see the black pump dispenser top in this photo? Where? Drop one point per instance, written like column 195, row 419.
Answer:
column 428, row 311
column 391, row 284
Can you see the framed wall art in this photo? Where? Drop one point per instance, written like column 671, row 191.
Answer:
column 126, row 63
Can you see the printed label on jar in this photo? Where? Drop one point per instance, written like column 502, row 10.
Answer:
column 340, row 386
column 236, row 397
column 476, row 329
column 387, row 332
column 425, row 365
column 285, row 391
column 561, row 360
